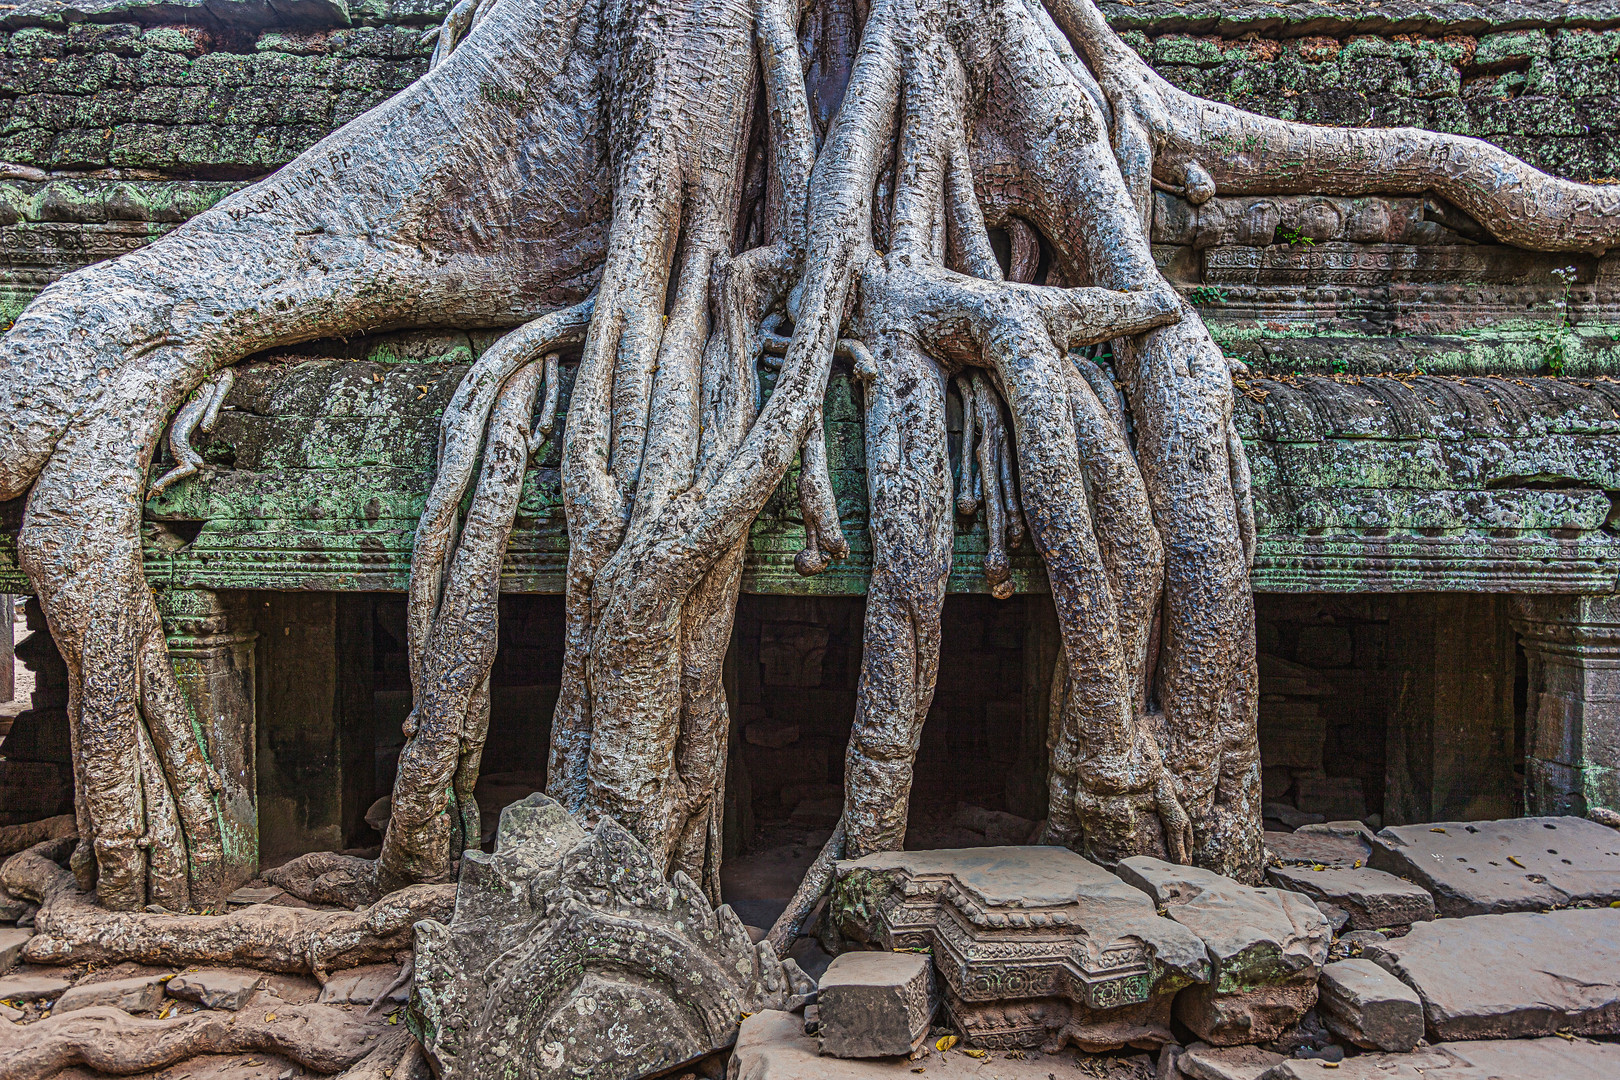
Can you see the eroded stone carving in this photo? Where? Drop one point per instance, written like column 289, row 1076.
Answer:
column 1035, row 946
column 570, row 955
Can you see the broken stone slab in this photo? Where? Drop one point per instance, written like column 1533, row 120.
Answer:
column 569, row 954
column 1034, row 946
column 1266, row 947
column 9, row 1014
column 138, row 995
column 876, row 1004
column 1290, row 817
column 1538, row 1059
column 772, row 1045
column 33, row 987
column 1361, row 1002
column 363, row 985
column 1373, row 899
column 12, row 940
column 1328, row 843
column 217, row 988
column 1202, row 1062
column 1423, row 1065
column 1493, row 867
column 1512, row 976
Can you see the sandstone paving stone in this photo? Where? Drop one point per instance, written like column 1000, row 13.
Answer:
column 12, row 939
column 137, row 995
column 32, row 987
column 876, row 1004
column 1373, row 898
column 1361, row 1002
column 1538, row 1059
column 10, row 1014
column 1328, row 843
column 363, row 985
column 1492, row 867
column 1202, row 1062
column 1266, row 947
column 216, row 988
column 1512, row 976
column 1028, row 942
column 1423, row 1065
column 772, row 1045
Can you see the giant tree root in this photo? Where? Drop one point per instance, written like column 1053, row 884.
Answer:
column 15, row 838
column 318, row 1037
column 71, row 928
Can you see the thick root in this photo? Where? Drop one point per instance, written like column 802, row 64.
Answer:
column 15, row 838
column 71, row 929
column 108, row 1040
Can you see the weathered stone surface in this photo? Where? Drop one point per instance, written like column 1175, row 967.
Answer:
column 1361, row 1002
column 1423, row 1065
column 219, row 988
column 1511, row 976
column 1035, row 946
column 12, row 939
column 142, row 994
column 1266, row 945
column 1538, row 1059
column 1202, row 1062
column 605, row 969
column 876, row 1004
column 1328, row 843
column 33, row 987
column 1373, row 898
column 1519, row 864
column 363, row 985
column 772, row 1045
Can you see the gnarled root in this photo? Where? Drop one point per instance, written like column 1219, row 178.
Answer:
column 108, row 1040
column 71, row 928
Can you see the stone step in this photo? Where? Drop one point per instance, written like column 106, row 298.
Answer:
column 1374, row 899
column 1361, row 1002
column 1512, row 976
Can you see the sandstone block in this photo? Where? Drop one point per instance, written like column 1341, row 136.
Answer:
column 1327, row 843
column 12, row 939
column 1266, row 947
column 1512, row 976
column 32, row 987
column 1033, row 945
column 141, row 994
column 1361, row 1002
column 1424, row 1065
column 363, row 985
column 876, row 1004
column 772, row 734
column 772, row 1045
column 1373, row 898
column 1202, row 1062
column 216, row 988
column 1492, row 867
column 1538, row 1059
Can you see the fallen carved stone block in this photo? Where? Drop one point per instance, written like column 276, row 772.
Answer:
column 1492, row 867
column 570, row 955
column 876, row 1004
column 1372, row 898
column 1361, row 1002
column 1266, row 946
column 1511, row 976
column 1035, row 946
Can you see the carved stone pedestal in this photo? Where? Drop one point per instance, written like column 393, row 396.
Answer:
column 1034, row 945
column 214, row 665
column 1572, row 713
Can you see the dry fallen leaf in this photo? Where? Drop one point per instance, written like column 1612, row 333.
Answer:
column 973, row 1051
column 946, row 1042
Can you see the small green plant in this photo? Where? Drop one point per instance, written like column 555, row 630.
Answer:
column 1341, row 366
column 1207, row 294
column 1557, row 340
column 1293, row 237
